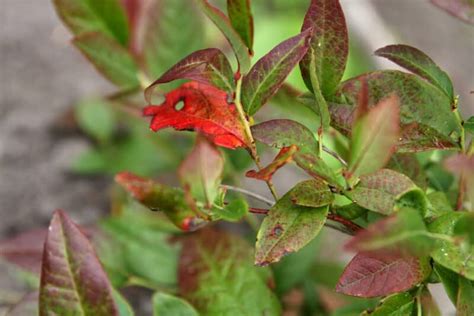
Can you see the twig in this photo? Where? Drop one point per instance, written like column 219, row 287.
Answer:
column 335, row 155
column 347, row 223
column 248, row 193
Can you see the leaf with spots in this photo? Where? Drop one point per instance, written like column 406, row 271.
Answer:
column 409, row 165
column 372, row 275
column 462, row 9
column 72, row 278
column 311, row 193
column 240, row 16
column 329, row 45
column 269, row 73
column 208, row 66
column 419, row 63
column 284, row 156
column 205, row 110
column 287, row 228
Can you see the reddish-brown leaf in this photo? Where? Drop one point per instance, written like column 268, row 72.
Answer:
column 25, row 250
column 462, row 9
column 463, row 166
column 205, row 110
column 284, row 156
column 372, row 275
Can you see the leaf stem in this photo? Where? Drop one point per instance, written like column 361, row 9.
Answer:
column 335, row 155
column 353, row 227
column 248, row 193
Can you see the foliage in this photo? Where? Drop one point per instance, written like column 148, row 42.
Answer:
column 371, row 156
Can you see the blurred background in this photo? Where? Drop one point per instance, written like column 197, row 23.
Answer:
column 49, row 156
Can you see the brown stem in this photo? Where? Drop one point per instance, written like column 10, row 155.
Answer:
column 347, row 223
column 462, row 189
column 256, row 210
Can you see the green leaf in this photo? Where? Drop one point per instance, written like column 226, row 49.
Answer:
column 269, row 73
column 97, row 118
column 350, row 211
column 319, row 106
column 234, row 211
column 428, row 304
column 438, row 204
column 72, row 278
column 217, row 275
column 419, row 63
column 329, row 43
column 469, row 125
column 409, row 165
column 163, row 45
column 124, row 309
column 240, row 16
column 84, row 16
column 449, row 280
column 386, row 191
column 222, row 22
column 201, row 172
column 110, row 59
column 287, row 228
column 426, row 117
column 402, row 304
column 166, row 304
column 374, row 137
column 311, row 193
column 465, row 299
column 458, row 257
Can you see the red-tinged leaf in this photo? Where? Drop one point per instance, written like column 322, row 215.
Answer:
column 287, row 228
column 159, row 197
column 269, row 73
column 463, row 166
column 240, row 15
column 72, row 278
column 329, row 43
column 205, row 110
column 25, row 250
column 284, row 156
column 241, row 50
column 83, row 16
column 109, row 58
column 372, row 275
column 423, row 107
column 419, row 63
column 208, row 66
column 312, row 193
column 135, row 11
column 462, row 9
column 409, row 165
column 374, row 137
column 201, row 172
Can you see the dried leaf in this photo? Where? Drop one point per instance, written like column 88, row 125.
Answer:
column 462, row 9
column 311, row 193
column 205, row 110
column 284, row 156
column 240, row 16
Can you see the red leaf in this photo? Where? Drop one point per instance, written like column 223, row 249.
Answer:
column 371, row 275
column 25, row 250
column 205, row 110
column 284, row 156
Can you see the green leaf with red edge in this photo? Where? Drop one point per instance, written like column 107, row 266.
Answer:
column 311, row 193
column 329, row 43
column 269, row 73
column 465, row 297
column 404, row 233
column 166, row 304
column 284, row 133
column 385, row 191
column 284, row 156
column 462, row 9
column 409, row 165
column 112, row 60
column 205, row 110
column 208, row 66
column 463, row 166
column 83, row 16
column 426, row 117
column 419, row 63
column 374, row 137
column 201, row 172
column 287, row 228
column 159, row 197
column 72, row 278
column 217, row 275
column 372, row 275
column 240, row 16
column 401, row 304
column 241, row 51
column 160, row 42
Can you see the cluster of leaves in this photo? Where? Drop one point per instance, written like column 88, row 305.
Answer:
column 399, row 143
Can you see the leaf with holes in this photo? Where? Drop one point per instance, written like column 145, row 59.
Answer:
column 110, row 59
column 374, row 137
column 209, row 66
column 311, row 193
column 72, row 278
column 287, row 228
column 166, row 304
column 159, row 197
column 419, row 63
column 462, row 9
column 385, row 191
column 83, row 16
column 216, row 275
column 201, row 172
column 205, row 110
column 241, row 50
column 269, row 73
column 284, row 156
column 426, row 117
column 329, row 45
column 372, row 275
column 240, row 16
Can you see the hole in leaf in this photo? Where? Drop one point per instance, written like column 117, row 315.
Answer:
column 179, row 106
